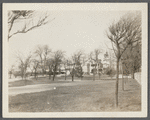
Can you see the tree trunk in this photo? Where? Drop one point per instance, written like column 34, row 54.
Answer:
column 35, row 75
column 54, row 73
column 117, row 82
column 72, row 77
column 122, row 82
column 97, row 68
column 65, row 76
column 122, row 79
column 49, row 72
column 133, row 74
column 53, row 76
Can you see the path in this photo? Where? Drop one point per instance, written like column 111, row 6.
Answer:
column 44, row 87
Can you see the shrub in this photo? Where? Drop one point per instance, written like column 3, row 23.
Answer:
column 79, row 72
column 110, row 72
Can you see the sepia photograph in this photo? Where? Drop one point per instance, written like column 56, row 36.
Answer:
column 75, row 60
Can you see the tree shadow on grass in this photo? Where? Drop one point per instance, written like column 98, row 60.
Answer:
column 20, row 83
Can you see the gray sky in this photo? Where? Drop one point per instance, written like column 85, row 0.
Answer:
column 70, row 31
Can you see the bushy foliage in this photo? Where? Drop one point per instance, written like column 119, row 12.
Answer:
column 79, row 72
column 110, row 72
column 94, row 70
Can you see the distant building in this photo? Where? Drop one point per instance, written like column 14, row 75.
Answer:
column 90, row 65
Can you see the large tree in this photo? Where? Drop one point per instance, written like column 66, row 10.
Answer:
column 73, row 72
column 123, row 33
column 24, row 63
column 35, row 66
column 39, row 53
column 27, row 19
column 57, row 59
column 131, row 58
column 47, row 54
column 50, row 65
column 43, row 52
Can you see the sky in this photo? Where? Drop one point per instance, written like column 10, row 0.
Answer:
column 69, row 31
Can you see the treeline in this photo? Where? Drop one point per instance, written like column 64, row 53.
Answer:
column 44, row 61
column 41, row 61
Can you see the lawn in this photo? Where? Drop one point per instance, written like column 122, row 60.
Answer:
column 89, row 96
column 46, row 80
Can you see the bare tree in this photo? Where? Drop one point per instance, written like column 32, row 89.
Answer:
column 11, row 70
column 122, row 34
column 73, row 63
column 39, row 53
column 43, row 53
column 65, row 62
column 27, row 20
column 31, row 68
column 46, row 53
column 23, row 64
column 132, row 58
column 112, row 59
column 49, row 63
column 35, row 65
column 57, row 59
column 73, row 72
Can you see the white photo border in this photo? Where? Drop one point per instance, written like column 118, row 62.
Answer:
column 77, row 6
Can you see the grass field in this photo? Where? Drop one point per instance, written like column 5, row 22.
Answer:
column 88, row 96
column 45, row 80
